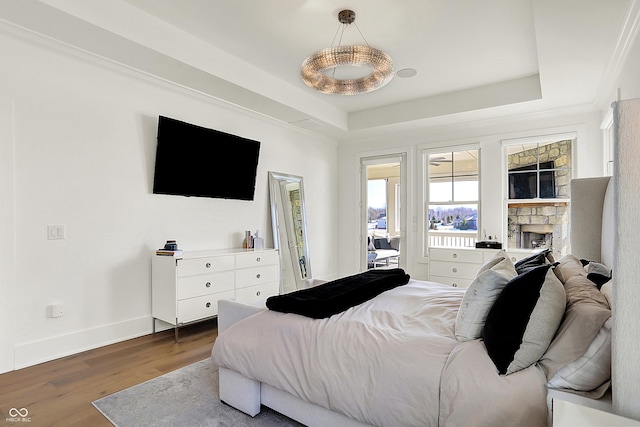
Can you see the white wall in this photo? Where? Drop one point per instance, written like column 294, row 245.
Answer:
column 77, row 147
column 488, row 135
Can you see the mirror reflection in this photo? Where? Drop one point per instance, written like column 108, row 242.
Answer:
column 288, row 217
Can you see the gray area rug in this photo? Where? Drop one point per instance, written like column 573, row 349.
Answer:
column 185, row 397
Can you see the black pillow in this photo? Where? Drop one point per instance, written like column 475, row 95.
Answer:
column 598, row 279
column 535, row 260
column 598, row 273
column 504, row 331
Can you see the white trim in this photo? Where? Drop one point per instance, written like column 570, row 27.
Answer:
column 626, row 38
column 425, row 153
column 46, row 349
column 69, row 51
column 396, row 156
column 607, row 121
column 541, row 139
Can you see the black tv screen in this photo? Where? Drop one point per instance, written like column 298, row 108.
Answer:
column 197, row 161
column 524, row 185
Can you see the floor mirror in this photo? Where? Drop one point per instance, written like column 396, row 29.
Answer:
column 288, row 217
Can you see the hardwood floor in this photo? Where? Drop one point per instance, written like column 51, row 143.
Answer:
column 60, row 392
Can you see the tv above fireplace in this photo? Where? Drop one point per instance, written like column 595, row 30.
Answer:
column 523, row 182
column 197, row 161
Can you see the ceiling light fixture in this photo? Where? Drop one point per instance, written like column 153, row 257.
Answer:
column 314, row 68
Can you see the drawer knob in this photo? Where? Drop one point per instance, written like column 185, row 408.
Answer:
column 513, row 259
column 455, row 255
column 455, row 270
column 258, row 259
column 208, row 265
column 455, row 285
column 258, row 293
column 258, row 276
column 208, row 304
column 208, row 284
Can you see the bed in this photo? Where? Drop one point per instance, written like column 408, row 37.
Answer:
column 422, row 353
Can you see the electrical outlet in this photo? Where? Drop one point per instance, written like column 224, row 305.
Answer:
column 55, row 232
column 56, row 310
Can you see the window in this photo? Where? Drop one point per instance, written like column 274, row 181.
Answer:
column 452, row 214
column 538, row 178
column 608, row 139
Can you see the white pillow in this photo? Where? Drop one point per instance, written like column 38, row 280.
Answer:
column 607, row 291
column 592, row 369
column 481, row 294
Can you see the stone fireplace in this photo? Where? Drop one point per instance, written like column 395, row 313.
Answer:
column 539, row 226
column 542, row 223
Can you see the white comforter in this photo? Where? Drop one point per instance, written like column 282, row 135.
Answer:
column 392, row 361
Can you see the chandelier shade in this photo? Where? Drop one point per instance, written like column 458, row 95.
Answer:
column 315, row 68
column 358, row 56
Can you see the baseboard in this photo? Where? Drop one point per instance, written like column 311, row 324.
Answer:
column 35, row 352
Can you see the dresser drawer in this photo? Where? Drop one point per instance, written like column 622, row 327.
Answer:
column 517, row 256
column 194, row 286
column 204, row 265
column 200, row 307
column 255, row 259
column 451, row 281
column 454, row 269
column 458, row 255
column 256, row 275
column 253, row 293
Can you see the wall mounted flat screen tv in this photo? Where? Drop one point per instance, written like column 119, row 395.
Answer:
column 201, row 162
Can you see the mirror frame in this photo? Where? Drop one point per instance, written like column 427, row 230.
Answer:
column 283, row 232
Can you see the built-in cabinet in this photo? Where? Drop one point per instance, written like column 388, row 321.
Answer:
column 457, row 267
column 187, row 288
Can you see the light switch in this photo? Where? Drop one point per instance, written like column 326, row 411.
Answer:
column 55, row 232
column 56, row 310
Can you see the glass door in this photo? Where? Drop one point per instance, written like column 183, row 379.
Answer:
column 383, row 201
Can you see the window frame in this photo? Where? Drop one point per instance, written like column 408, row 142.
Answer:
column 539, row 140
column 426, row 201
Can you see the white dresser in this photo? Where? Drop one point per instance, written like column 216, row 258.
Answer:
column 458, row 266
column 187, row 288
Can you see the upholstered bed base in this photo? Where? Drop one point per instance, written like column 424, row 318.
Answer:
column 248, row 395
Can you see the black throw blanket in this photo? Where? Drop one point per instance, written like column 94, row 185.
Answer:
column 334, row 297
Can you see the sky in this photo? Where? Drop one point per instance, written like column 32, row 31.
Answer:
column 377, row 195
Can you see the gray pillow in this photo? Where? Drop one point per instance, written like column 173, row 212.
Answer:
column 567, row 267
column 480, row 296
column 543, row 324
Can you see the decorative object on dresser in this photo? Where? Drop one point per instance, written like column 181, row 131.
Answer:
column 170, row 249
column 186, row 288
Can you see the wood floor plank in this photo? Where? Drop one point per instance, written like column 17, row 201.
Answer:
column 60, row 392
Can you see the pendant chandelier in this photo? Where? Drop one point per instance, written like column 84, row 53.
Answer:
column 316, row 67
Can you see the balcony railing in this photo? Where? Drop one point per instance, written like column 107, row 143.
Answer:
column 453, row 238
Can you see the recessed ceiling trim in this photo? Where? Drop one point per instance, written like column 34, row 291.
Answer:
column 498, row 94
